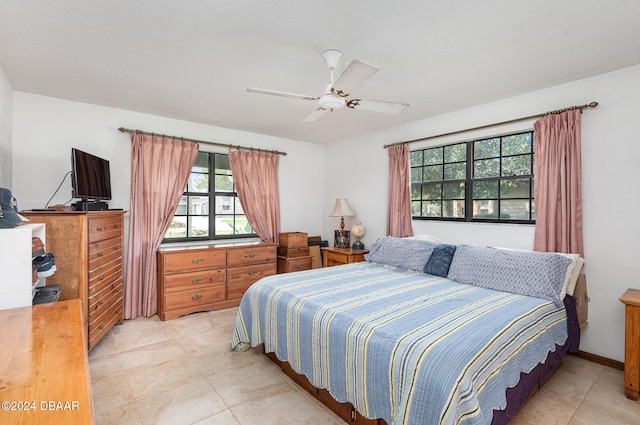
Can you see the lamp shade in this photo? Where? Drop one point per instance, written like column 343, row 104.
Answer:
column 342, row 208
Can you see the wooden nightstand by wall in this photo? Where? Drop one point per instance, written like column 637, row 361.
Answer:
column 631, row 299
column 339, row 256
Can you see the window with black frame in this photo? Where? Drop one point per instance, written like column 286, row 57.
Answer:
column 481, row 180
column 209, row 207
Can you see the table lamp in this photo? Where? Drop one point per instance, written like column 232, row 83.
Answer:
column 342, row 209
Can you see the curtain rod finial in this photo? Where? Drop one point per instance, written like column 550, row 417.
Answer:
column 593, row 104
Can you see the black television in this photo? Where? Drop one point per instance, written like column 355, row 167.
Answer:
column 90, row 181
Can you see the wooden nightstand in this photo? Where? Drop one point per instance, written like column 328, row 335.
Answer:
column 631, row 299
column 339, row 256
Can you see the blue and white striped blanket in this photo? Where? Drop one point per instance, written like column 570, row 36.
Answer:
column 407, row 347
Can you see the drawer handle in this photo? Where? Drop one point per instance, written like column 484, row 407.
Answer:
column 252, row 272
column 101, row 327
column 196, row 297
column 101, row 278
column 300, row 267
column 99, row 229
column 100, row 254
column 197, row 260
column 116, row 226
column 196, row 280
column 253, row 255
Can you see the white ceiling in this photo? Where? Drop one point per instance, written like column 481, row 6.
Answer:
column 194, row 59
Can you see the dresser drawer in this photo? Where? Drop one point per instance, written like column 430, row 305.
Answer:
column 191, row 280
column 104, row 251
column 295, row 264
column 193, row 260
column 249, row 273
column 104, row 274
column 100, row 327
column 251, row 254
column 100, row 301
column 194, row 297
column 102, row 228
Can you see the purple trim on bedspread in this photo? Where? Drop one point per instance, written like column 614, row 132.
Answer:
column 519, row 394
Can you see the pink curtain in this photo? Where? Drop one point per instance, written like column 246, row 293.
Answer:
column 399, row 198
column 558, row 183
column 256, row 178
column 160, row 168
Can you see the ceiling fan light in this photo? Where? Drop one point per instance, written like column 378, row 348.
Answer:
column 331, row 102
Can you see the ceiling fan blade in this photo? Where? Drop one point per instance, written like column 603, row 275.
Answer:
column 377, row 106
column 356, row 73
column 316, row 115
column 281, row 93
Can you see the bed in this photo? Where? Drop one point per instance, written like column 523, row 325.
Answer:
column 407, row 338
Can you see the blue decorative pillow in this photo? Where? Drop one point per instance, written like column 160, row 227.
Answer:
column 440, row 260
column 407, row 253
column 536, row 274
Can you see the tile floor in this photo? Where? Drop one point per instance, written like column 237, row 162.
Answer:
column 181, row 372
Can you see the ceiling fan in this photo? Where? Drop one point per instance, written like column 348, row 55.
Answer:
column 336, row 93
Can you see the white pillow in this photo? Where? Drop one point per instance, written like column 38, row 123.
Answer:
column 424, row 237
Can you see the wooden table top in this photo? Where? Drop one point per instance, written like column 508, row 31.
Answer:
column 631, row 297
column 44, row 375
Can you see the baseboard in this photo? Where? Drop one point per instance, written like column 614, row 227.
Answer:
column 599, row 359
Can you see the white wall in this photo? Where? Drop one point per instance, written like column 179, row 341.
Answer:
column 611, row 186
column 45, row 130
column 6, row 130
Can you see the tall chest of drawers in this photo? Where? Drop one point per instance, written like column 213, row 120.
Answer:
column 89, row 259
column 201, row 278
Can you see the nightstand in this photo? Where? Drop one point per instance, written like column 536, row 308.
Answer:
column 631, row 299
column 339, row 256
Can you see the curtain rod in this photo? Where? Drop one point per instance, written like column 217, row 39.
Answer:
column 559, row 111
column 128, row 130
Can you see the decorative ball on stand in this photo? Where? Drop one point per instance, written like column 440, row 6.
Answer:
column 358, row 231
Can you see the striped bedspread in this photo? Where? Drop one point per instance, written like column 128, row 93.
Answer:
column 406, row 347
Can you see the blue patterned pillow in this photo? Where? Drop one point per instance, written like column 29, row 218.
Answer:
column 536, row 274
column 440, row 260
column 407, row 253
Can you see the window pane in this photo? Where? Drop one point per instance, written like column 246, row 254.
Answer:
column 516, row 165
column 453, row 190
column 485, row 209
column 199, row 226
column 198, row 182
column 432, row 191
column 515, row 209
column 177, row 228
column 416, row 174
column 514, row 188
column 224, row 184
column 433, row 173
column 433, row 156
column 416, row 208
column 416, row 191
column 485, row 189
column 202, row 163
column 224, row 204
column 516, row 144
column 455, row 153
column 242, row 225
column 224, row 225
column 457, row 171
column 431, row 209
column 415, row 158
column 238, row 206
column 489, row 148
column 198, row 205
column 182, row 206
column 486, row 168
column 222, row 164
column 453, row 209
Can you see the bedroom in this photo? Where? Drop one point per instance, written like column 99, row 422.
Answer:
column 38, row 130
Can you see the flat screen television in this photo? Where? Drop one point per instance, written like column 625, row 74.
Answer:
column 90, row 177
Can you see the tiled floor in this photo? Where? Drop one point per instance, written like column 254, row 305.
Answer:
column 181, row 372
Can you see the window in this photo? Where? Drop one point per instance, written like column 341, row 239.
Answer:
column 481, row 180
column 209, row 211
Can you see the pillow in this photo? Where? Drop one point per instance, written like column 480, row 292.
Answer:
column 424, row 237
column 440, row 260
column 407, row 253
column 573, row 271
column 536, row 274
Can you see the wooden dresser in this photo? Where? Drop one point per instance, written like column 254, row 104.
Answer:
column 210, row 277
column 631, row 300
column 338, row 256
column 88, row 249
column 44, row 371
